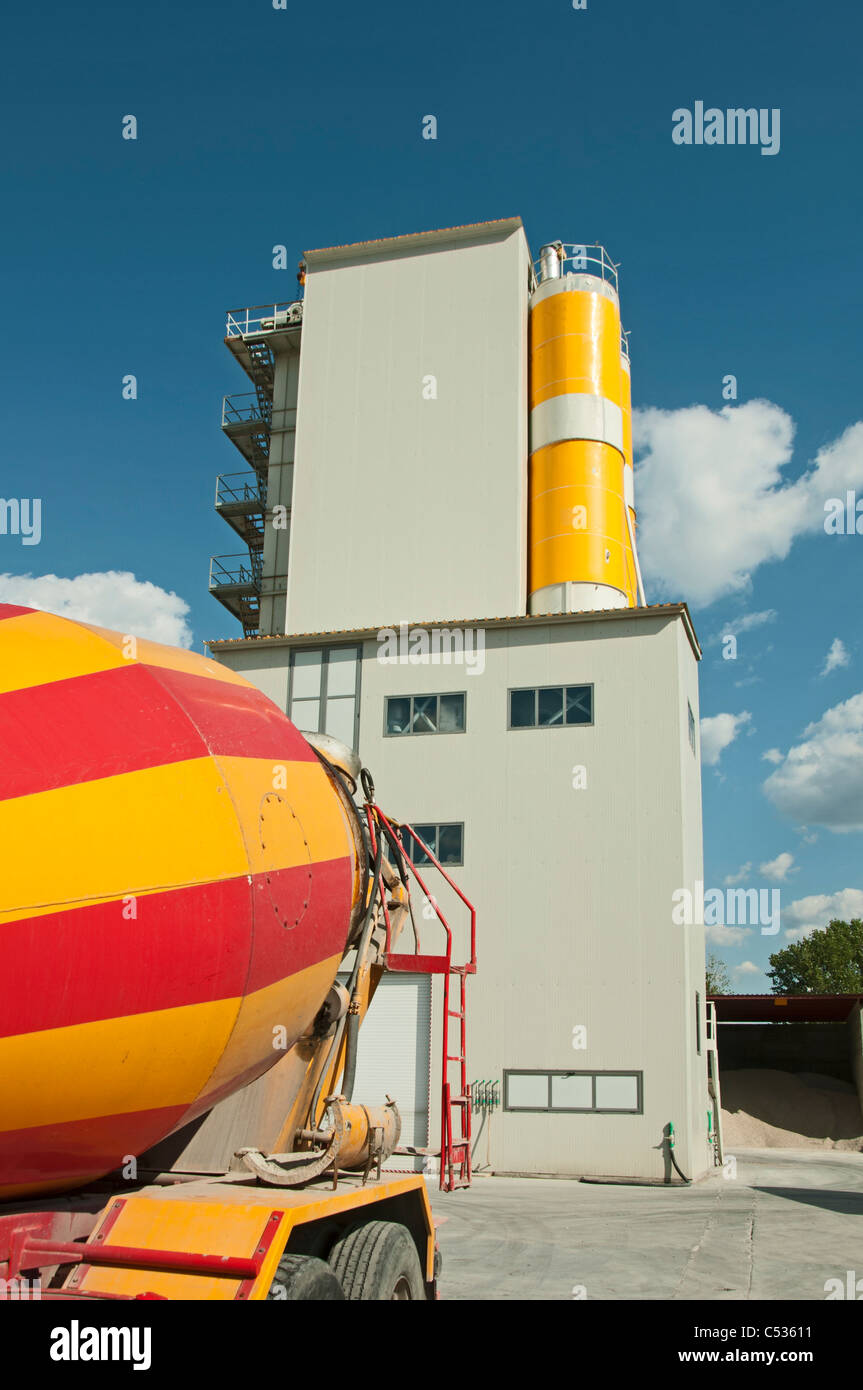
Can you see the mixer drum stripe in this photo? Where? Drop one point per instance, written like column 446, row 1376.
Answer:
column 78, row 1153
column 40, row 647
column 189, row 946
column 122, row 720
column 164, row 827
column 167, row 1058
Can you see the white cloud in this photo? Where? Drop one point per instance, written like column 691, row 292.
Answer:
column 114, row 599
column 717, row 732
column 773, row 756
column 747, row 967
column 745, row 623
column 820, row 780
column 721, row 935
column 836, row 657
column 815, row 912
column 778, row 869
column 713, row 501
column 742, row 873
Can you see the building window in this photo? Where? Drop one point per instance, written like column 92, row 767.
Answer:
column 691, row 726
column 575, row 1092
column 551, row 707
column 323, row 697
column 424, row 714
column 698, row 1023
column 446, row 843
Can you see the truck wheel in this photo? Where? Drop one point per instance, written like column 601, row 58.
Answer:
column 304, row 1277
column 378, row 1261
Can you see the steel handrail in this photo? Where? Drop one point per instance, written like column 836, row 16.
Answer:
column 246, row 414
column 607, row 268
column 412, row 868
column 249, row 492
column 241, row 322
column 244, row 573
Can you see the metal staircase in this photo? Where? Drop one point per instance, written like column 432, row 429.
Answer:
column 454, row 1152
column 263, row 374
column 247, row 421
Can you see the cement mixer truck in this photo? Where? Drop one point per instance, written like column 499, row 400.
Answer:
column 198, row 903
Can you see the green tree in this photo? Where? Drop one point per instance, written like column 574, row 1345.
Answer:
column 825, row 962
column 716, row 979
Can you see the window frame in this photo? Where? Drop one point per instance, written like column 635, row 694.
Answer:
column 446, row 825
column 425, row 733
column 566, row 685
column 550, row 1109
column 325, row 648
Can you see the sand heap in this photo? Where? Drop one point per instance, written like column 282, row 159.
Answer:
column 765, row 1109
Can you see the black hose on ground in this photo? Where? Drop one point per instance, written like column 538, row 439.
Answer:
column 669, row 1139
column 678, row 1170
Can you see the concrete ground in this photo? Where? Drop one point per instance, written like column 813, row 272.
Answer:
column 790, row 1220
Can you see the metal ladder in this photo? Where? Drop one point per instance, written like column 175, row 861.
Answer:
column 455, row 1149
column 713, row 1087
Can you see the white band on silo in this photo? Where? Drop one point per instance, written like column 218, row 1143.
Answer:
column 576, row 416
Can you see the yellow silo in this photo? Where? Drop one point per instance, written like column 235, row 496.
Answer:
column 580, row 552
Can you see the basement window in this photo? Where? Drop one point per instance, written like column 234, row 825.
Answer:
column 425, row 714
column 551, row 707
column 575, row 1092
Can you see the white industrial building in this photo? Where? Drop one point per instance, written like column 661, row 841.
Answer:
column 441, row 571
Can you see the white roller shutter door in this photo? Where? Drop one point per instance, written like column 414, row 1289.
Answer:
column 394, row 1057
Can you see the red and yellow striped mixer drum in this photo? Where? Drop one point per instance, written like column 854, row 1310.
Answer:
column 179, row 877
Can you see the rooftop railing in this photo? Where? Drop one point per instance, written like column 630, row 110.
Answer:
column 586, row 260
column 263, row 318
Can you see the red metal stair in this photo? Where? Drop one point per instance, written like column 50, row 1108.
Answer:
column 454, row 1152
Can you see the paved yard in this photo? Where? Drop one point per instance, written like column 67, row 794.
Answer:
column 791, row 1220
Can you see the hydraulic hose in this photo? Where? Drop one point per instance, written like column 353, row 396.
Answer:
column 352, row 1032
column 350, row 1025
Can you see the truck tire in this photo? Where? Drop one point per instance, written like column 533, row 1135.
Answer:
column 302, row 1277
column 378, row 1261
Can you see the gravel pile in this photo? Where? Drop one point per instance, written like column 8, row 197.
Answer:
column 766, row 1109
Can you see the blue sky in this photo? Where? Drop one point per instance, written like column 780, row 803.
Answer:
column 302, row 126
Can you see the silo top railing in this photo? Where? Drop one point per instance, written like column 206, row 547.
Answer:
column 590, row 259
